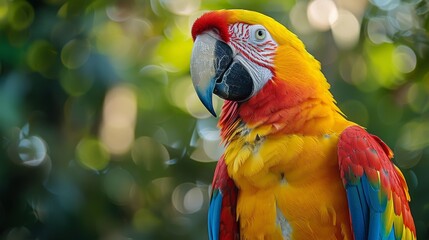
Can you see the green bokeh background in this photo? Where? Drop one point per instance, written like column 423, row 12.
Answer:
column 102, row 136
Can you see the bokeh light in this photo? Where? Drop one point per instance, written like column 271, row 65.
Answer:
column 181, row 7
column 418, row 97
column 404, row 59
column 414, row 136
column 187, row 198
column 155, row 73
column 74, row 82
column 403, row 17
column 119, row 119
column 32, row 151
column 110, row 39
column 377, row 31
column 4, row 7
column 354, row 70
column 75, row 53
column 299, row 19
column 345, row 29
column 92, row 154
column 149, row 153
column 386, row 64
column 121, row 11
column 208, row 147
column 41, row 57
column 322, row 13
column 118, row 184
column 20, row 14
column 167, row 53
column 386, row 4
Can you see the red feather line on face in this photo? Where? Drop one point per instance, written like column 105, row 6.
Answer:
column 212, row 21
column 261, row 54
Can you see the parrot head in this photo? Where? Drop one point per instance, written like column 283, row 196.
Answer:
column 237, row 52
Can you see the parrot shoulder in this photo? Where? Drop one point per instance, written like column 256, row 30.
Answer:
column 376, row 190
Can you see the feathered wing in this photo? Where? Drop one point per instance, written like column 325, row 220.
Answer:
column 222, row 219
column 376, row 189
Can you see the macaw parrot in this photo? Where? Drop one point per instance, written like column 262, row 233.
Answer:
column 294, row 167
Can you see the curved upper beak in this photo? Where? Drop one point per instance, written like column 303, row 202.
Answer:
column 203, row 69
column 214, row 70
column 210, row 59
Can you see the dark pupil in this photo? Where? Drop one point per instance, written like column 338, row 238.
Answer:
column 260, row 33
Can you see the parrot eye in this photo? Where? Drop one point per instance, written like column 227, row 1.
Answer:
column 260, row 34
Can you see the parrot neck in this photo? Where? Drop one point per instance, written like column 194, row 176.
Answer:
column 281, row 109
column 296, row 100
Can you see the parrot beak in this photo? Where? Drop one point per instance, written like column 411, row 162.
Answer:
column 214, row 70
column 203, row 69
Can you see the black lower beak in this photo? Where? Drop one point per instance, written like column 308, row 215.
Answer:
column 236, row 83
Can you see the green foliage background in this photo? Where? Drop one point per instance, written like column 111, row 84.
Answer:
column 63, row 175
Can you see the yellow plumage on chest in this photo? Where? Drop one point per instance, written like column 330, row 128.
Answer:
column 289, row 186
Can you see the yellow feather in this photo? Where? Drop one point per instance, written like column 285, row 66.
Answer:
column 389, row 215
column 407, row 235
column 241, row 157
column 399, row 221
column 311, row 175
column 405, row 186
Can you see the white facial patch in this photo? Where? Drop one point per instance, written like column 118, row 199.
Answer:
column 255, row 49
column 260, row 75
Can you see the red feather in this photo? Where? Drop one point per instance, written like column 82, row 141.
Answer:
column 227, row 119
column 212, row 20
column 228, row 219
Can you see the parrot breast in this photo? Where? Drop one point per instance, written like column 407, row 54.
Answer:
column 280, row 182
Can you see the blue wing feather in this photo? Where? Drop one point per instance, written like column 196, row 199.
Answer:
column 358, row 210
column 365, row 209
column 391, row 235
column 214, row 215
column 375, row 207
